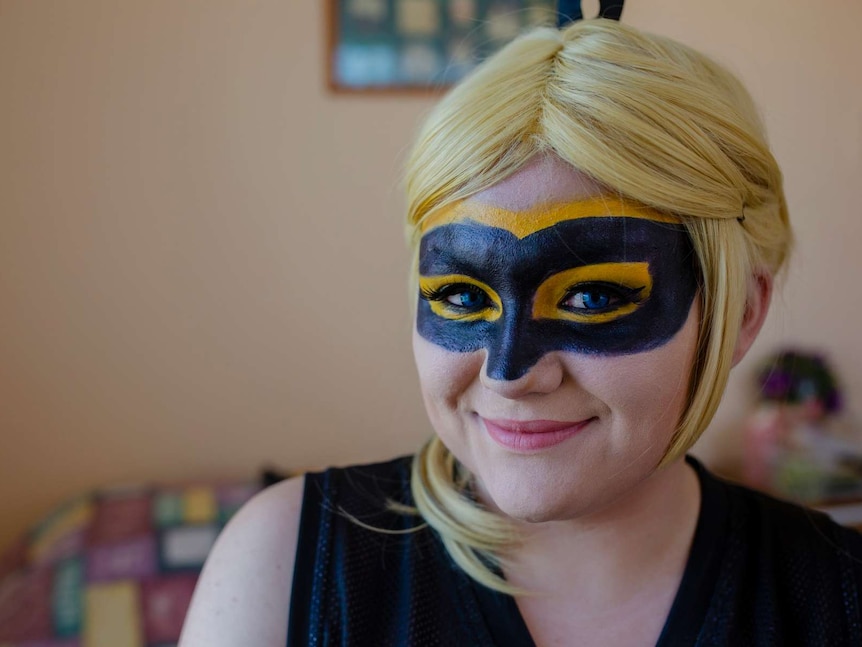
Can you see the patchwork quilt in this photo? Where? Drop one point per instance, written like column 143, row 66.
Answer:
column 115, row 568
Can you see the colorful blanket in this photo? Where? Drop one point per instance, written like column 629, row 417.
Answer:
column 114, row 568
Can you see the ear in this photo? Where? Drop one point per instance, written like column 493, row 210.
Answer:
column 756, row 308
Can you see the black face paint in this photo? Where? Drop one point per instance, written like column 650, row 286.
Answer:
column 604, row 285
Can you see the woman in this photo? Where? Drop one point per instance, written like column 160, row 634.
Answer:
column 597, row 222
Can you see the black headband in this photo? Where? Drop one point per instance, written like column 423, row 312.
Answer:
column 570, row 10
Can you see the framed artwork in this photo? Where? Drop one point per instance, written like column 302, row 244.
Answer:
column 420, row 45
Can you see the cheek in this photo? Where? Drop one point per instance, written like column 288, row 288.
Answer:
column 646, row 390
column 448, row 382
column 444, row 376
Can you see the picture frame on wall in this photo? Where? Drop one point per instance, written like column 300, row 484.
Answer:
column 420, row 45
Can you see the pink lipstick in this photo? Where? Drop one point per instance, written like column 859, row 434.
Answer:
column 532, row 435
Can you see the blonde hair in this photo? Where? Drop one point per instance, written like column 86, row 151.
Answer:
column 648, row 118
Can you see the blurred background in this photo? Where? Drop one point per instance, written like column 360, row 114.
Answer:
column 202, row 268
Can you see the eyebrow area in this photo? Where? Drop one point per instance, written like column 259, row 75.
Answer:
column 494, row 254
column 529, row 221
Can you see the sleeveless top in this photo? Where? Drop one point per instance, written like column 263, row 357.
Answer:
column 760, row 572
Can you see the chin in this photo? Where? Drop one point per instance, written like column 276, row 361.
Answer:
column 533, row 511
column 530, row 501
column 542, row 492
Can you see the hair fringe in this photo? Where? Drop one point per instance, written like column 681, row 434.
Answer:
column 653, row 121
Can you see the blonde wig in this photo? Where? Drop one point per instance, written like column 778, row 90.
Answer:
column 653, row 121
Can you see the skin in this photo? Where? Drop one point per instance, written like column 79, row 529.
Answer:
column 243, row 594
column 601, row 525
column 629, row 415
column 608, row 557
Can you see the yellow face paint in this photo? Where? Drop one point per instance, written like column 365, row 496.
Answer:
column 529, row 221
column 460, row 298
column 631, row 282
column 601, row 276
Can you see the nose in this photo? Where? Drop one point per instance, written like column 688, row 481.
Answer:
column 516, row 363
column 545, row 376
column 513, row 345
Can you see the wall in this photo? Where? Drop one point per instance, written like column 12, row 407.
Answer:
column 201, row 258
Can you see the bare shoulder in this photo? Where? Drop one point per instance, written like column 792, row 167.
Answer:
column 243, row 594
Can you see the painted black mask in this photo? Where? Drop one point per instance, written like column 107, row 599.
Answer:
column 577, row 277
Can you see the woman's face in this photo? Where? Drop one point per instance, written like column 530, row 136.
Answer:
column 555, row 334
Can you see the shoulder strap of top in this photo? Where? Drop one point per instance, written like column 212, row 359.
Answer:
column 789, row 575
column 366, row 575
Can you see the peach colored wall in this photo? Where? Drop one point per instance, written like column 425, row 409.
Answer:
column 201, row 261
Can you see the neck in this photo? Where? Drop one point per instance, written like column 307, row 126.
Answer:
column 642, row 537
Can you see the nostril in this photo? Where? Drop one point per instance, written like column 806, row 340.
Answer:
column 543, row 376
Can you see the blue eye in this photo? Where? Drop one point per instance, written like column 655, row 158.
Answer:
column 460, row 298
column 468, row 299
column 591, row 300
column 597, row 298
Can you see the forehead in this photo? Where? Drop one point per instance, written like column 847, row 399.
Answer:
column 545, row 180
column 544, row 193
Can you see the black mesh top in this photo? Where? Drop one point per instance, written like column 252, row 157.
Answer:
column 760, row 572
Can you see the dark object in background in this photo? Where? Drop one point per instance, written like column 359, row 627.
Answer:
column 570, row 10
column 793, row 377
column 272, row 475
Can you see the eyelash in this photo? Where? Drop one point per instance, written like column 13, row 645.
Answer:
column 444, row 292
column 620, row 295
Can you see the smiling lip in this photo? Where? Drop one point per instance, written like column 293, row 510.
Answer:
column 532, row 435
